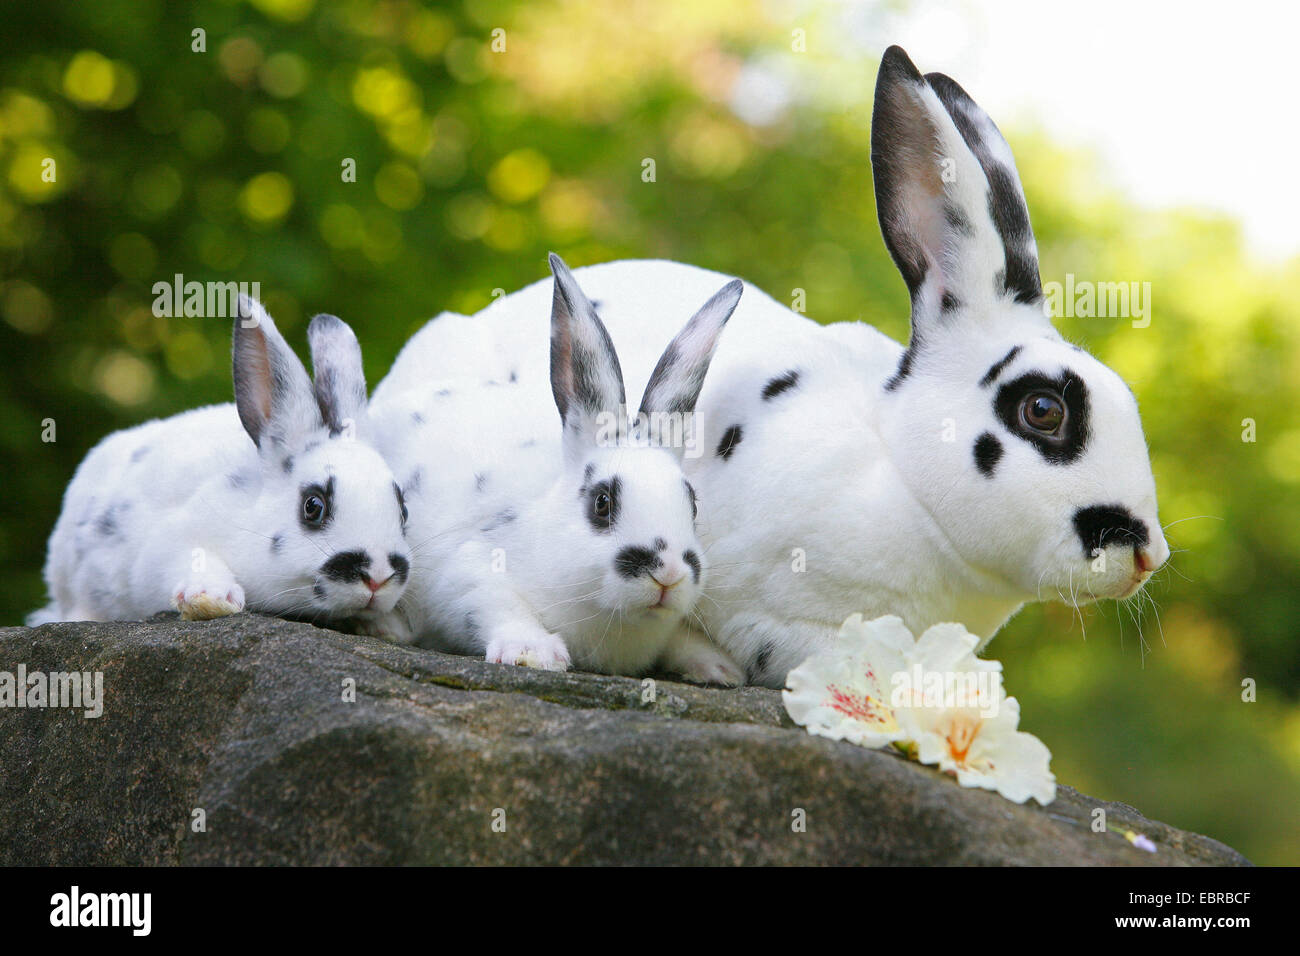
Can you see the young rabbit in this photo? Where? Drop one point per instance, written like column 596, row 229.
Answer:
column 545, row 545
column 304, row 520
column 988, row 464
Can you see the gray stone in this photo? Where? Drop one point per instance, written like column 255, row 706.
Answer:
column 244, row 719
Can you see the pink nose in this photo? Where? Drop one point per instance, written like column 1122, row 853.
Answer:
column 376, row 585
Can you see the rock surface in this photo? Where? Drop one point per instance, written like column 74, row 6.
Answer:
column 242, row 724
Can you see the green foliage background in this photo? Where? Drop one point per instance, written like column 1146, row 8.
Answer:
column 471, row 164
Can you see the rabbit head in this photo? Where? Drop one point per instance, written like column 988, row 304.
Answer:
column 628, row 492
column 334, row 515
column 1027, row 452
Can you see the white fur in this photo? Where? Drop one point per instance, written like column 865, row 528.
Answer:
column 188, row 512
column 844, row 496
column 507, row 563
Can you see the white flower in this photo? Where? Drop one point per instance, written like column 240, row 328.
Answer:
column 931, row 697
column 983, row 751
column 844, row 693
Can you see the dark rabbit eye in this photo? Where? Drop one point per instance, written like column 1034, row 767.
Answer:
column 1043, row 411
column 602, row 504
column 313, row 509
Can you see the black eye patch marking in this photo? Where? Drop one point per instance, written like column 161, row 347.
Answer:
column 987, row 452
column 660, row 544
column 500, row 519
column 326, row 494
column 949, row 303
column 1101, row 525
column 401, row 567
column 601, row 503
column 633, row 561
column 346, row 566
column 690, row 493
column 693, row 560
column 780, row 384
column 730, row 439
column 1072, row 439
column 996, row 368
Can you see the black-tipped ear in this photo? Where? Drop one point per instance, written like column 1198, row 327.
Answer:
column 340, row 381
column 586, row 379
column 948, row 196
column 272, row 392
column 675, row 384
column 1007, row 206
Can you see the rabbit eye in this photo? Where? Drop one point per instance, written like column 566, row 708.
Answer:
column 1043, row 412
column 600, row 506
column 313, row 509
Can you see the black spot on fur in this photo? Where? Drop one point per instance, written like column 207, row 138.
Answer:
column 1101, row 525
column 417, row 418
column 443, row 392
column 632, row 562
column 514, row 376
column 950, row 303
column 480, row 481
column 690, row 493
column 781, row 384
column 413, row 482
column 761, row 661
column 107, row 524
column 730, row 439
column 1071, row 439
column 401, row 567
column 346, row 566
column 987, row 452
column 501, row 518
column 996, row 368
column 904, row 364
column 401, row 505
column 139, row 453
column 693, row 561
column 277, row 543
column 957, row 220
column 287, row 464
column 660, row 544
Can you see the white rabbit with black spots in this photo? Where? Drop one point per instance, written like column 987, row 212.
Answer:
column 550, row 542
column 276, row 503
column 988, row 464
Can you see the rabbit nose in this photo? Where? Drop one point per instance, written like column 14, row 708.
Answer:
column 1149, row 557
column 376, row 585
column 669, row 578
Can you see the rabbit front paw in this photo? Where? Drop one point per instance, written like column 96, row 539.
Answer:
column 202, row 599
column 541, row 650
column 699, row 661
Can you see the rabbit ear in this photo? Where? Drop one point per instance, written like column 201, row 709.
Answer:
column 272, row 392
column 675, row 384
column 949, row 199
column 339, row 379
column 586, row 379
